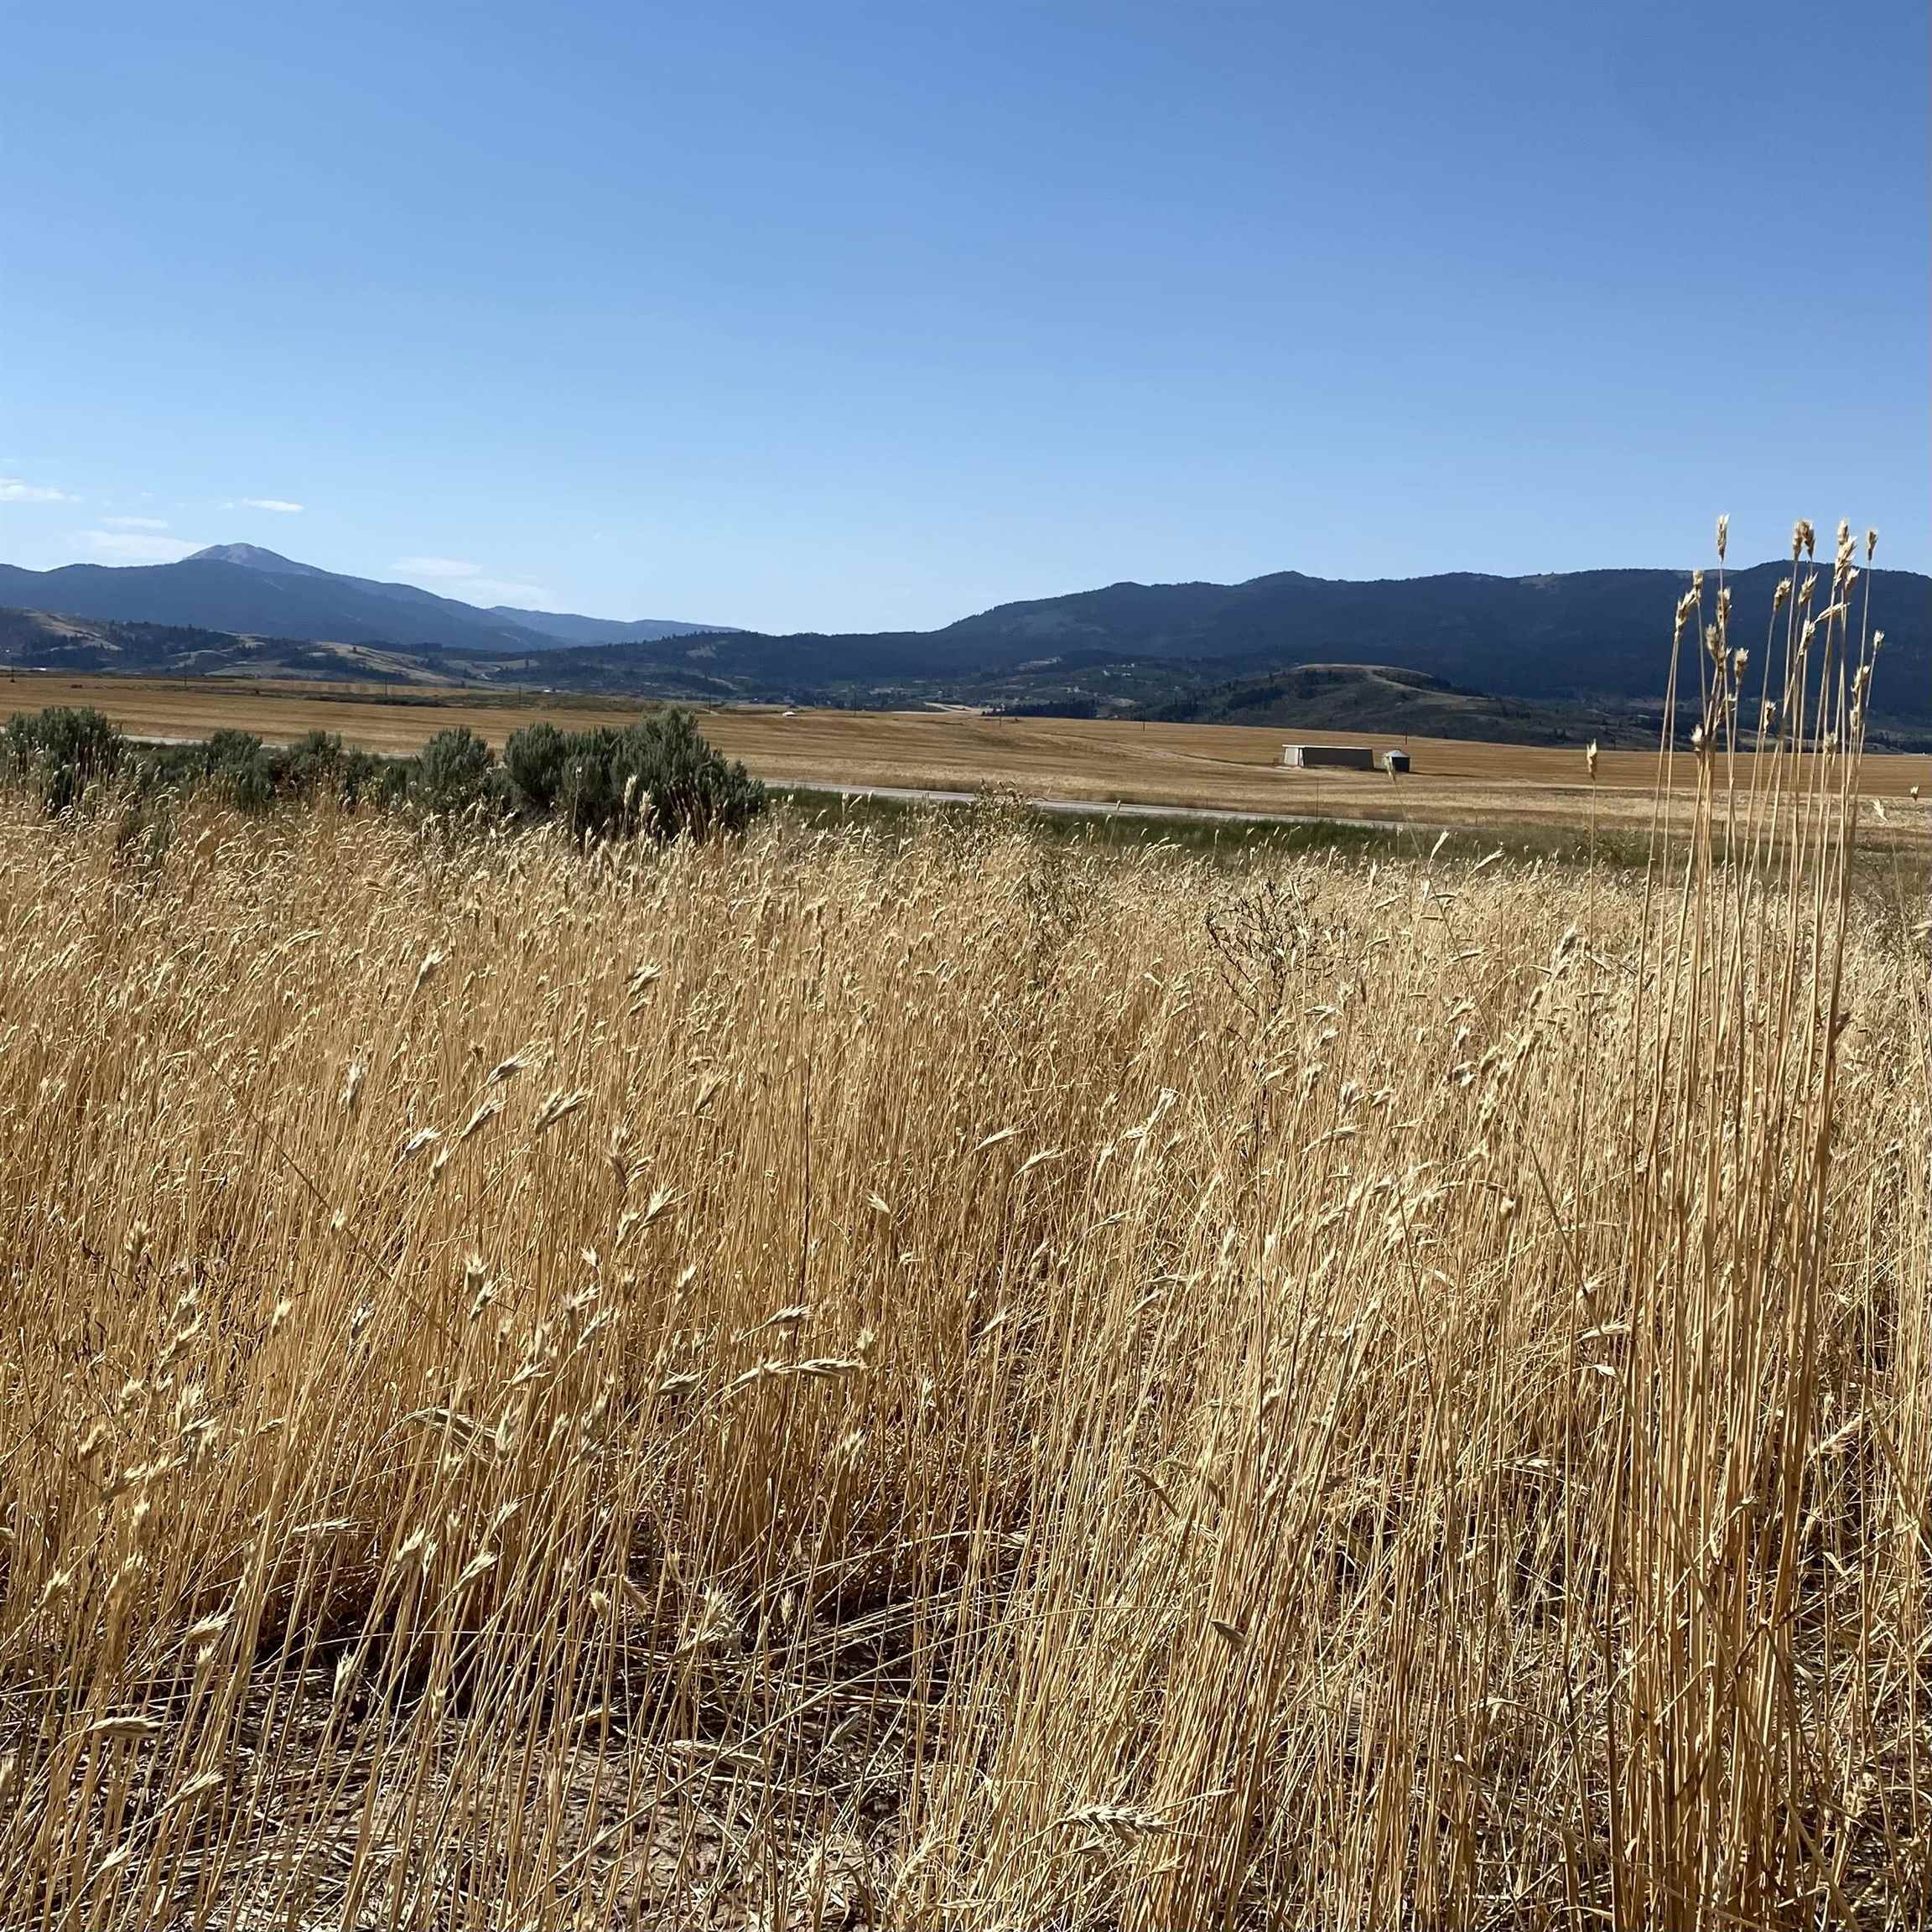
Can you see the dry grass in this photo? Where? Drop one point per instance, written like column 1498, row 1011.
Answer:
column 839, row 1382
column 1456, row 782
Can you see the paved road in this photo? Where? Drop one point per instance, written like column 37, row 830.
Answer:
column 1095, row 809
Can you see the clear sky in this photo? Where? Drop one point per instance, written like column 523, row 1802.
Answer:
column 844, row 316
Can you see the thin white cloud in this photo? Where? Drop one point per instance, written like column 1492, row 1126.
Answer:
column 457, row 577
column 495, row 590
column 280, row 505
column 16, row 490
column 135, row 522
column 133, row 547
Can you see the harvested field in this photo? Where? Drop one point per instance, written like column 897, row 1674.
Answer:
column 1455, row 782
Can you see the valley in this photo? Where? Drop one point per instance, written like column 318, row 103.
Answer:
column 1454, row 782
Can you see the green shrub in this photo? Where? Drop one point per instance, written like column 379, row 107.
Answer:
column 684, row 785
column 62, row 754
column 655, row 778
column 454, row 773
column 658, row 778
column 534, row 760
column 393, row 784
column 239, row 770
column 320, row 767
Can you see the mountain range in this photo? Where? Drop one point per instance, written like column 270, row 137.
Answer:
column 243, row 587
column 1590, row 646
column 1597, row 642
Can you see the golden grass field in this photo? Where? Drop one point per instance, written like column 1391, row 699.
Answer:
column 1455, row 782
column 837, row 1380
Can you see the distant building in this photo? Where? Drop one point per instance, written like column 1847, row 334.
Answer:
column 1329, row 757
column 1342, row 758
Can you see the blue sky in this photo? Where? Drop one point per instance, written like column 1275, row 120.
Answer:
column 843, row 316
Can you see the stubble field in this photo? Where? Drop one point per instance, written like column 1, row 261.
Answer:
column 1534, row 789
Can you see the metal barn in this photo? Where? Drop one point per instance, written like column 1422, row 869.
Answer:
column 1329, row 757
column 1343, row 758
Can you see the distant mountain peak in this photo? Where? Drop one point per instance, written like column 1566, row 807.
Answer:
column 245, row 590
column 253, row 557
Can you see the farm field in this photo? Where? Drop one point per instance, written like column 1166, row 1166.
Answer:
column 1455, row 782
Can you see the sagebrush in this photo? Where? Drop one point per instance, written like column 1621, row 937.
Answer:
column 657, row 776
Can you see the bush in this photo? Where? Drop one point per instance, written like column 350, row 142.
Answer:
column 237, row 767
column 533, row 760
column 240, row 771
column 454, row 773
column 393, row 785
column 320, row 766
column 656, row 778
column 683, row 784
column 62, row 753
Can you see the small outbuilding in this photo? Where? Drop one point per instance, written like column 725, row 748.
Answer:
column 1342, row 758
column 1329, row 757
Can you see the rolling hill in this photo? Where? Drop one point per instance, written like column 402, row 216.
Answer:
column 40, row 640
column 1385, row 699
column 1597, row 642
column 1587, row 636
column 1599, row 639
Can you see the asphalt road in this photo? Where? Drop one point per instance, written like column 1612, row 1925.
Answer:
column 1096, row 809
